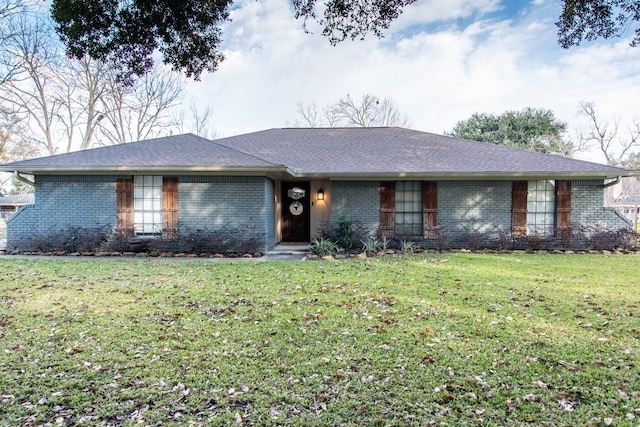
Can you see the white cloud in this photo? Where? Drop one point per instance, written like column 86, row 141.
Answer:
column 433, row 11
column 437, row 76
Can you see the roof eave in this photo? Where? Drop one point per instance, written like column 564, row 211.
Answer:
column 466, row 176
column 157, row 170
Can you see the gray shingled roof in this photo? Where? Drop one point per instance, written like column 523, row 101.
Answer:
column 334, row 152
column 395, row 151
column 180, row 152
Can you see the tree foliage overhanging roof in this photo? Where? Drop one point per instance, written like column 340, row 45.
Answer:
column 188, row 33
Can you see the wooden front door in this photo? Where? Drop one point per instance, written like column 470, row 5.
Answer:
column 296, row 212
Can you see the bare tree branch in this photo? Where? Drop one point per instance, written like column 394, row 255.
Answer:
column 64, row 101
column 370, row 111
column 605, row 136
column 201, row 118
column 309, row 115
column 31, row 57
column 141, row 111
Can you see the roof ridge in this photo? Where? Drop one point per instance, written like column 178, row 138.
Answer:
column 215, row 141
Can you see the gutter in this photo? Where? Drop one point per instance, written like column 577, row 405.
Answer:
column 463, row 176
column 19, row 177
column 614, row 182
column 119, row 170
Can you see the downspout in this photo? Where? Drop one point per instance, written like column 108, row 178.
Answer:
column 27, row 181
column 614, row 182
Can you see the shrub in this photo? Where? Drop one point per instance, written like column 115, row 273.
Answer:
column 441, row 237
column 599, row 236
column 535, row 241
column 473, row 236
column 347, row 232
column 504, row 239
column 223, row 240
column 105, row 238
column 628, row 239
column 71, row 238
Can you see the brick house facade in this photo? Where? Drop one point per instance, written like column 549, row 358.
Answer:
column 397, row 182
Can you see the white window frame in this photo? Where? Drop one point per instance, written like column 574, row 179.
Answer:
column 147, row 205
column 541, row 207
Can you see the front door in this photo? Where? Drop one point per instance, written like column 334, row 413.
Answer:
column 296, row 212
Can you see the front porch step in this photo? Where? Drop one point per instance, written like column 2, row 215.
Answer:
column 288, row 251
column 292, row 249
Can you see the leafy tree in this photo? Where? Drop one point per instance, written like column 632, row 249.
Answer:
column 188, row 33
column 591, row 19
column 370, row 111
column 530, row 129
column 632, row 161
column 353, row 19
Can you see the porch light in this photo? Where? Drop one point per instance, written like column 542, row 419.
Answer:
column 320, row 194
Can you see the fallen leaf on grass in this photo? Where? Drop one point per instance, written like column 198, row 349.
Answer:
column 362, row 410
column 571, row 366
column 237, row 418
column 446, row 399
column 541, row 384
column 426, row 360
column 568, row 401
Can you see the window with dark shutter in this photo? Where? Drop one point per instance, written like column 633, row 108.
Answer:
column 387, row 209
column 124, row 206
column 563, row 209
column 430, row 209
column 519, row 208
column 170, row 207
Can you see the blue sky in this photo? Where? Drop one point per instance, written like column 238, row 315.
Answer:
column 440, row 63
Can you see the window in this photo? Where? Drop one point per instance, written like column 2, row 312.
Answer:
column 541, row 207
column 147, row 204
column 408, row 207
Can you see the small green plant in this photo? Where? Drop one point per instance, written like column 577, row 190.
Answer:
column 323, row 247
column 385, row 244
column 407, row 246
column 370, row 245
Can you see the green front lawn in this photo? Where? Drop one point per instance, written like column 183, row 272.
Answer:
column 430, row 339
